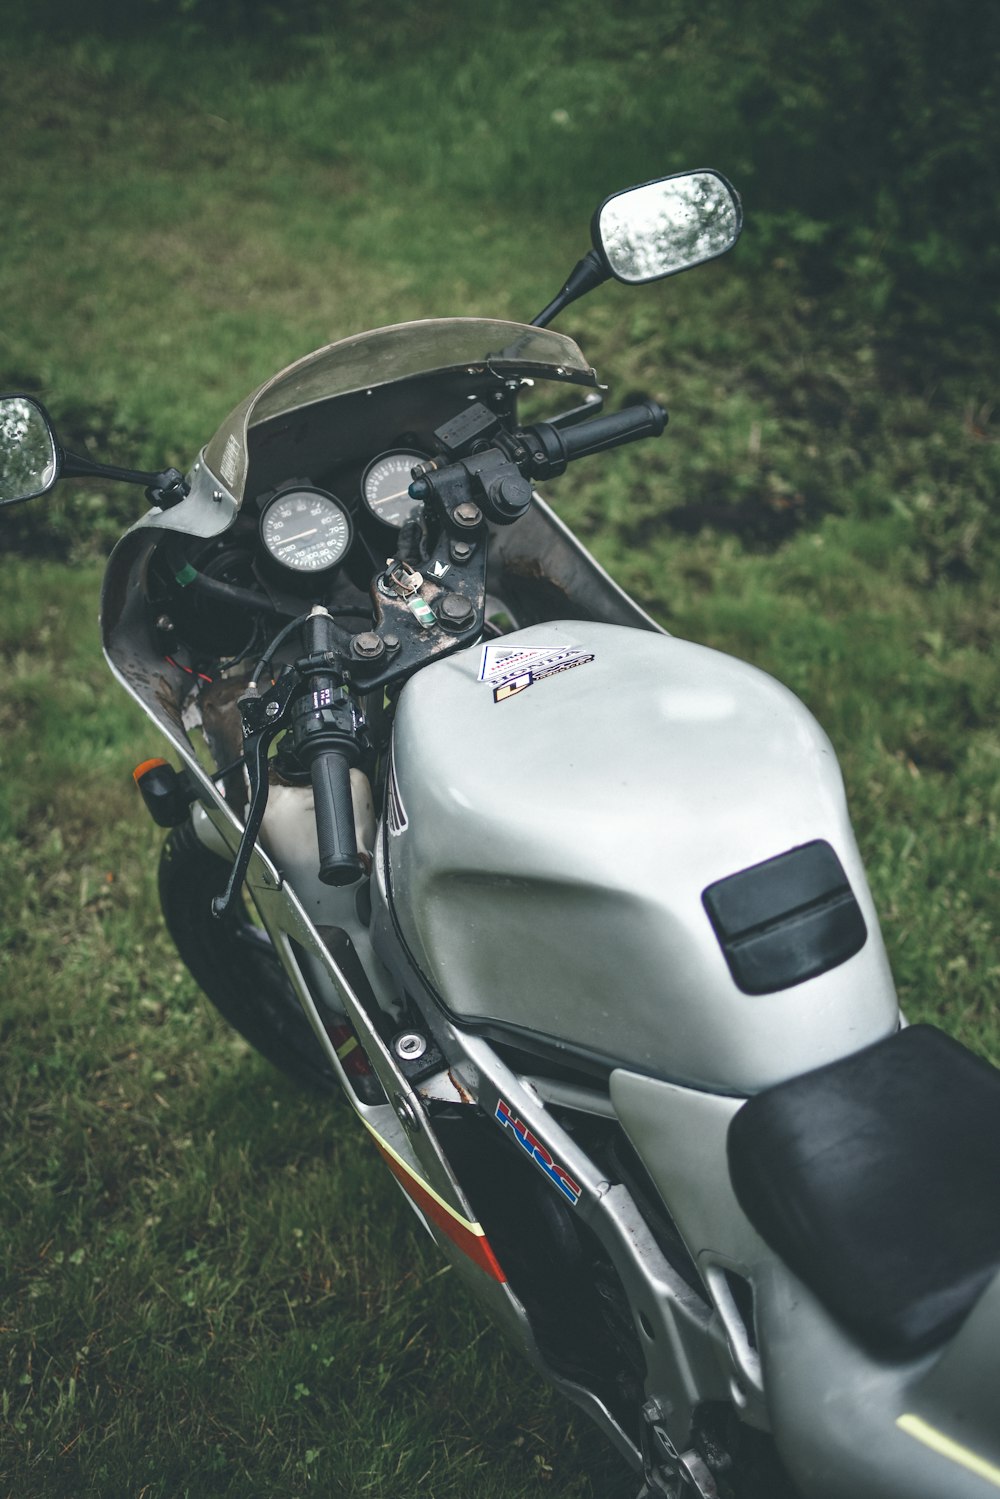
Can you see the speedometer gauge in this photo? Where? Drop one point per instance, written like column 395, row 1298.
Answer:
column 385, row 487
column 306, row 530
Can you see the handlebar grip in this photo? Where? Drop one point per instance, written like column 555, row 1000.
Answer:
column 557, row 446
column 330, row 774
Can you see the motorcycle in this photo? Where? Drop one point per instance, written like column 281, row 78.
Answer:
column 570, row 910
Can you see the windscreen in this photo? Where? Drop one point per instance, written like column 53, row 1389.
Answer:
column 389, row 355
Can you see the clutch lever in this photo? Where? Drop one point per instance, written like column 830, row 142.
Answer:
column 263, row 716
column 593, row 405
column 325, row 731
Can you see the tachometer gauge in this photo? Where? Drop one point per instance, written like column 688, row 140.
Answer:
column 306, row 530
column 385, row 487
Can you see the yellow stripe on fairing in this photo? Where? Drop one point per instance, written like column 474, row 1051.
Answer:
column 473, row 1228
column 945, row 1446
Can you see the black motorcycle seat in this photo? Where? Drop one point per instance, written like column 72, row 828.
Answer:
column 877, row 1180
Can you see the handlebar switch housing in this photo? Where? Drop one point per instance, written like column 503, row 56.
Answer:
column 326, row 717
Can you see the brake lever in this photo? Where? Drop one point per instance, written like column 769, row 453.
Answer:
column 262, row 716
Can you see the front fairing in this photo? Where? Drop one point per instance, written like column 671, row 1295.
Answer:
column 334, row 410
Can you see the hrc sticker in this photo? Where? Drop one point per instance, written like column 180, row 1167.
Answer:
column 536, row 1150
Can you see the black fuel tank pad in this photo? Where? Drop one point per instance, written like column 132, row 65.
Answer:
column 786, row 920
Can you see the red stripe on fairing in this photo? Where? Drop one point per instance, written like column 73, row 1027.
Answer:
column 475, row 1245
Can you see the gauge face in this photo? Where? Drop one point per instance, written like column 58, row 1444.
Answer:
column 386, row 484
column 306, row 530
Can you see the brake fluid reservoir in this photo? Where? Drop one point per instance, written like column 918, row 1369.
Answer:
column 288, row 832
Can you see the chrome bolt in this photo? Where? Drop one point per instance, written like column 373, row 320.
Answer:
column 467, row 514
column 272, row 710
column 406, row 1114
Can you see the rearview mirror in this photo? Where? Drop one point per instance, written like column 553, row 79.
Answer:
column 29, row 458
column 655, row 230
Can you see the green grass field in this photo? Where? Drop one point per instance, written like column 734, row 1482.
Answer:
column 209, row 1287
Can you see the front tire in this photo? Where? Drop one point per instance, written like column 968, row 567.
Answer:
column 234, row 962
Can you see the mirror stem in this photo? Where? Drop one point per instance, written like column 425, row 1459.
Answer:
column 163, row 489
column 585, row 275
column 77, row 466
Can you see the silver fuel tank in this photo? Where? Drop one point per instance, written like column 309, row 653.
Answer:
column 567, row 810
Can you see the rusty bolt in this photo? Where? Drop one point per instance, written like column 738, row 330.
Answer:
column 368, row 646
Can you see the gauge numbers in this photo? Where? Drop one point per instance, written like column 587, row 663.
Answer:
column 386, row 485
column 306, row 530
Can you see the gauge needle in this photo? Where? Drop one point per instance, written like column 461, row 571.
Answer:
column 286, row 540
column 381, row 499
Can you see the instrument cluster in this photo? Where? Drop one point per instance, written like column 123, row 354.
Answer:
column 306, row 532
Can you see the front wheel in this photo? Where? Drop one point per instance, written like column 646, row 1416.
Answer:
column 233, row 961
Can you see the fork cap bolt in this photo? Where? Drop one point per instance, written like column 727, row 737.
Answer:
column 367, row 645
column 455, row 611
column 467, row 515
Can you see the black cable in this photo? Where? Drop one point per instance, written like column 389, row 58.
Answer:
column 227, row 770
column 245, row 652
column 279, row 639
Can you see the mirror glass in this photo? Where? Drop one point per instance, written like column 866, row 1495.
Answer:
column 29, row 464
column 662, row 227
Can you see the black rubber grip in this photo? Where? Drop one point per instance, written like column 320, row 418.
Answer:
column 338, row 849
column 602, row 432
column 554, row 447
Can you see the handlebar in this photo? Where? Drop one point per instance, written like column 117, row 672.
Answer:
column 330, row 774
column 325, row 734
column 326, row 729
column 492, row 469
column 552, row 447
